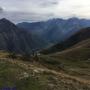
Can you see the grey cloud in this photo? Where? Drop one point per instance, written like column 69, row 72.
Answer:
column 25, row 17
column 28, row 10
column 1, row 10
column 48, row 4
column 36, row 10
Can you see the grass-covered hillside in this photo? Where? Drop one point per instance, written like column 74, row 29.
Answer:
column 76, row 60
column 37, row 75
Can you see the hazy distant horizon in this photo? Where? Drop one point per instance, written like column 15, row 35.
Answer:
column 29, row 21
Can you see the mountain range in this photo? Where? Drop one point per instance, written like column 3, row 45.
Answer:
column 79, row 36
column 17, row 40
column 28, row 37
column 66, row 65
column 55, row 30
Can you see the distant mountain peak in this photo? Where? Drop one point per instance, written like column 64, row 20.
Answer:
column 17, row 40
column 4, row 20
column 6, row 23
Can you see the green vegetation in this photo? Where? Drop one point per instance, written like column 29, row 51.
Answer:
column 15, row 74
column 67, row 70
column 12, row 55
column 51, row 63
column 76, row 60
column 11, row 75
column 25, row 57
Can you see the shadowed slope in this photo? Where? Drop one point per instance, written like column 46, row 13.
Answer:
column 74, row 39
column 17, row 40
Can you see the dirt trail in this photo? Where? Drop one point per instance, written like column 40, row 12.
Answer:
column 29, row 66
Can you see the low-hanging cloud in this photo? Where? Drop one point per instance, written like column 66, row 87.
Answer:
column 36, row 10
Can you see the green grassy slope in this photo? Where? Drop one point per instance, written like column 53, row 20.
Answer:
column 26, row 75
column 76, row 60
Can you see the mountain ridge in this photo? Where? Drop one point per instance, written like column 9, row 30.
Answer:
column 55, row 30
column 17, row 40
column 81, row 35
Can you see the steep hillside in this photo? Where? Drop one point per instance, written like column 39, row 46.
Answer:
column 55, row 30
column 74, row 39
column 76, row 60
column 80, row 51
column 17, row 40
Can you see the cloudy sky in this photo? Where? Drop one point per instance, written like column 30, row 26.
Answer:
column 37, row 10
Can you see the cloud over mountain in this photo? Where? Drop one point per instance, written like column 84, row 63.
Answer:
column 36, row 10
column 1, row 9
